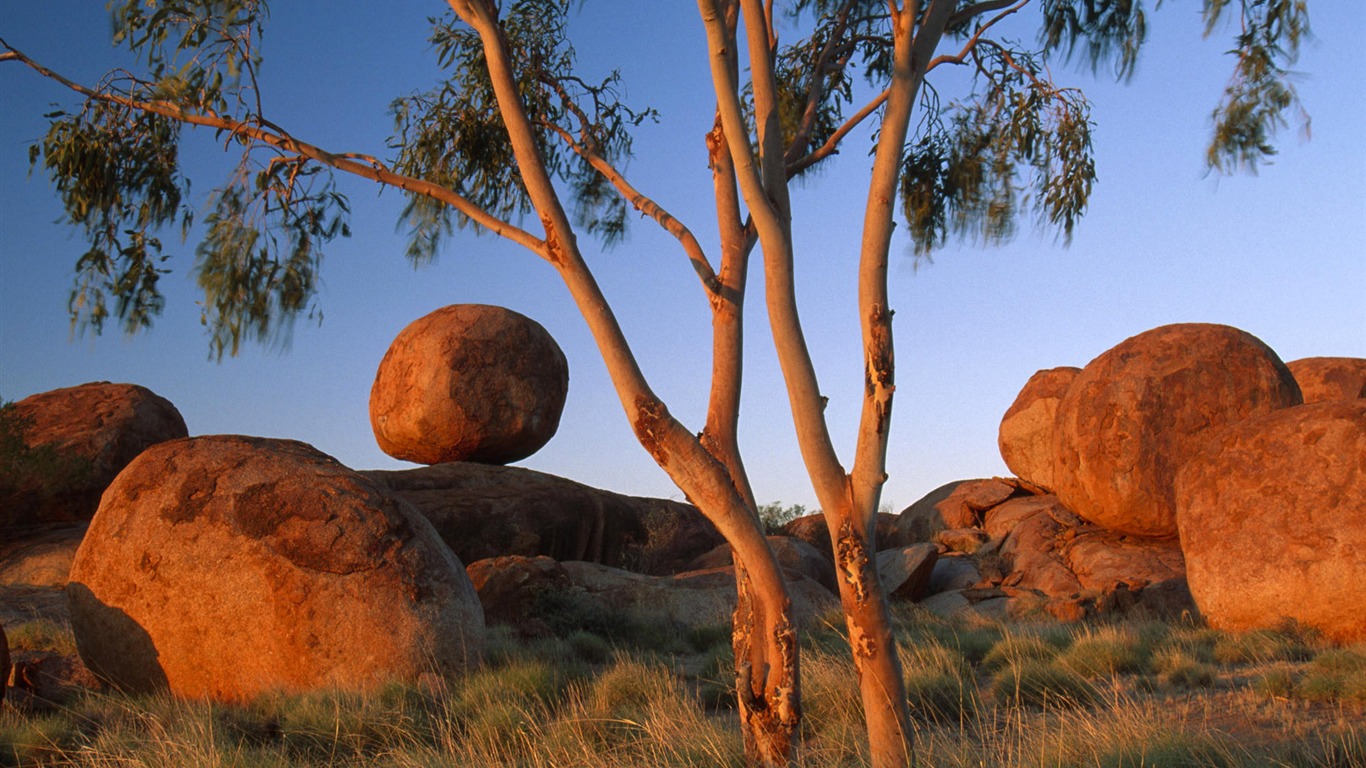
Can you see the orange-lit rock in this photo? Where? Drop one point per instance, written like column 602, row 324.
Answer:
column 469, row 382
column 226, row 567
column 813, row 530
column 1026, row 434
column 959, row 504
column 514, row 588
column 1134, row 415
column 793, row 554
column 1273, row 521
column 76, row 440
column 1330, row 378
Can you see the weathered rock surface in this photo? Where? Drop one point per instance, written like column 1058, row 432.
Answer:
column 483, row 511
column 905, row 571
column 469, row 382
column 959, row 504
column 511, row 589
column 1101, row 559
column 793, row 555
column 1330, row 378
column 953, row 573
column 224, row 567
column 1137, row 413
column 814, row 530
column 75, row 441
column 40, row 555
column 1272, row 516
column 43, row 680
column 692, row 599
column 1026, row 434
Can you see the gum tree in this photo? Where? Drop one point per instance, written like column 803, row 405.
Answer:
column 513, row 133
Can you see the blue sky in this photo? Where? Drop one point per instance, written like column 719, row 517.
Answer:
column 1281, row 254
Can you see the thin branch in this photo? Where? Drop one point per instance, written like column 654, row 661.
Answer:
column 831, row 145
column 648, row 207
column 977, row 9
column 977, row 36
column 275, row 137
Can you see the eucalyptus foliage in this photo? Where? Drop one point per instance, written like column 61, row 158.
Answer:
column 1017, row 146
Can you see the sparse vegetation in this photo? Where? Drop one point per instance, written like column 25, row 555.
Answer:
column 1115, row 695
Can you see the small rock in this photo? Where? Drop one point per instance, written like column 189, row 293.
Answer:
column 952, row 573
column 965, row 540
column 905, row 573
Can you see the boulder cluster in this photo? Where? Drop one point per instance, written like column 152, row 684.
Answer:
column 1179, row 472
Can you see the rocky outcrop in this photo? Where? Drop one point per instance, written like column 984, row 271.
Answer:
column 794, row 556
column 513, row 588
column 905, row 571
column 1026, row 433
column 485, row 511
column 469, row 382
column 40, row 555
column 685, row 600
column 1330, row 378
column 959, row 504
column 1272, row 515
column 1137, row 413
column 814, row 530
column 62, row 448
column 224, row 567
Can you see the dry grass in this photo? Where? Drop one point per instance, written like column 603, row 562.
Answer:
column 1097, row 696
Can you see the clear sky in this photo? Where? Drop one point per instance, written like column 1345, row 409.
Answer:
column 1281, row 254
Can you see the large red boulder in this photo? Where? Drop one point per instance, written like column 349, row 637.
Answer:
column 1272, row 516
column 62, row 448
column 1330, row 378
column 469, row 382
column 1026, row 434
column 1137, row 413
column 226, row 567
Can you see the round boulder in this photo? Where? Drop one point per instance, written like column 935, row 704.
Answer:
column 1134, row 415
column 1273, row 521
column 1026, row 434
column 225, row 567
column 1330, row 378
column 469, row 382
column 69, row 444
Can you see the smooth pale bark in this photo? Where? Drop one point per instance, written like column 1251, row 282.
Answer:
column 765, row 638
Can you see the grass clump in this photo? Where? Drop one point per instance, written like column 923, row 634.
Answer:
column 1106, row 652
column 41, row 635
column 1037, row 683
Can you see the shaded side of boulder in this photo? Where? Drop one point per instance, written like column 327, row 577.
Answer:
column 46, row 680
column 1330, row 378
column 1272, row 516
column 1025, row 437
column 959, row 504
column 905, row 572
column 1137, row 413
column 484, row 511
column 469, row 382
column 59, row 450
column 226, row 567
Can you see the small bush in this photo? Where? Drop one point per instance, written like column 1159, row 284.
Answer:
column 1105, row 652
column 1034, row 682
column 1262, row 646
column 1179, row 669
column 1013, row 650
column 1280, row 682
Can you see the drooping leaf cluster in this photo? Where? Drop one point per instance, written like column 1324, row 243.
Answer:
column 1105, row 31
column 259, row 261
column 454, row 136
column 115, row 162
column 1260, row 93
column 1019, row 144
column 117, row 172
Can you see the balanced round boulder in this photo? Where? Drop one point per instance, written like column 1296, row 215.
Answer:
column 225, row 567
column 1134, row 415
column 469, row 382
column 1330, row 378
column 1026, row 434
column 1273, row 521
column 71, row 443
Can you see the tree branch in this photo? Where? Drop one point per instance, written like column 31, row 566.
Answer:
column 269, row 134
column 977, row 36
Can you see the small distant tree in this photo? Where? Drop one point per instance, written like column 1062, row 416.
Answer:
column 513, row 129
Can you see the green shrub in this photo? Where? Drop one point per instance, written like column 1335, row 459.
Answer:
column 1262, row 646
column 1034, row 682
column 1012, row 650
column 1106, row 652
column 1179, row 669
